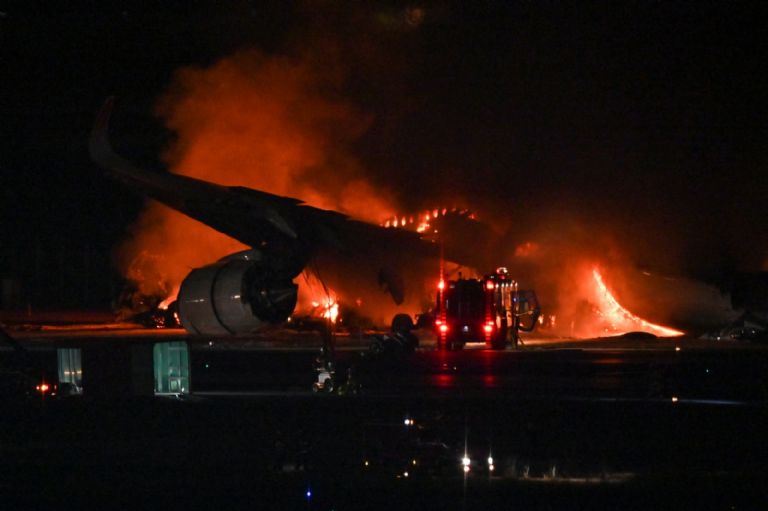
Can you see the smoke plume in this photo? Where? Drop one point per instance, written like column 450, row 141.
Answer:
column 289, row 126
column 272, row 123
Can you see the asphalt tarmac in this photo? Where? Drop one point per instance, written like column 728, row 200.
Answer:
column 595, row 424
column 727, row 375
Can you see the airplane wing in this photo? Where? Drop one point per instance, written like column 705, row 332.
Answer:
column 222, row 208
column 289, row 234
column 250, row 216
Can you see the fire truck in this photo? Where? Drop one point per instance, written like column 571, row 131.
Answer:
column 491, row 310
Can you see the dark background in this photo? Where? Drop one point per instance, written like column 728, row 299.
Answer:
column 645, row 121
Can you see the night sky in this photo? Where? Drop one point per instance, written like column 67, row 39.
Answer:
column 642, row 121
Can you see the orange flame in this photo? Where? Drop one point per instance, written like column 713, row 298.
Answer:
column 328, row 308
column 169, row 299
column 422, row 222
column 257, row 121
column 619, row 317
column 316, row 299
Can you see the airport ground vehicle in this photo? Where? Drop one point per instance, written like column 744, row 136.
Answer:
column 490, row 309
column 325, row 371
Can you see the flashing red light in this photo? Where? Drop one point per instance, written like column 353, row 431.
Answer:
column 490, row 285
column 443, row 328
column 438, row 322
column 441, row 284
column 488, row 328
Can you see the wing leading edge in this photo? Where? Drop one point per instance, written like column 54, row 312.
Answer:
column 250, row 218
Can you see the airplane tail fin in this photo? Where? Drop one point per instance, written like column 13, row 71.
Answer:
column 156, row 185
column 177, row 191
column 115, row 166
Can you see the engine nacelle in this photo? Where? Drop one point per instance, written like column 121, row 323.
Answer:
column 236, row 295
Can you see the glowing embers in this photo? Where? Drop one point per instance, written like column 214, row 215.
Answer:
column 619, row 318
column 327, row 308
column 422, row 222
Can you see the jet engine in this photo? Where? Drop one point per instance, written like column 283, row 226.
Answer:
column 236, row 295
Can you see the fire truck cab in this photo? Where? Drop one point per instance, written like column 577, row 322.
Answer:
column 491, row 310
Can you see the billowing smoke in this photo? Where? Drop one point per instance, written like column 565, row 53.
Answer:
column 590, row 285
column 589, row 281
column 271, row 123
column 288, row 125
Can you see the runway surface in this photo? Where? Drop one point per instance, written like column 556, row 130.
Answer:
column 594, row 424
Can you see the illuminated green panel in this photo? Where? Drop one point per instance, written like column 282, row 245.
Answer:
column 171, row 361
column 70, row 363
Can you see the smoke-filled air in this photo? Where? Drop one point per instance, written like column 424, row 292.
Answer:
column 284, row 125
column 255, row 121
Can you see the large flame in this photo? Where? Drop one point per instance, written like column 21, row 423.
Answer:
column 316, row 299
column 422, row 222
column 618, row 317
column 270, row 123
column 585, row 300
column 328, row 309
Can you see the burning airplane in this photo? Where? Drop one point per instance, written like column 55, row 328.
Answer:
column 287, row 255
column 251, row 288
